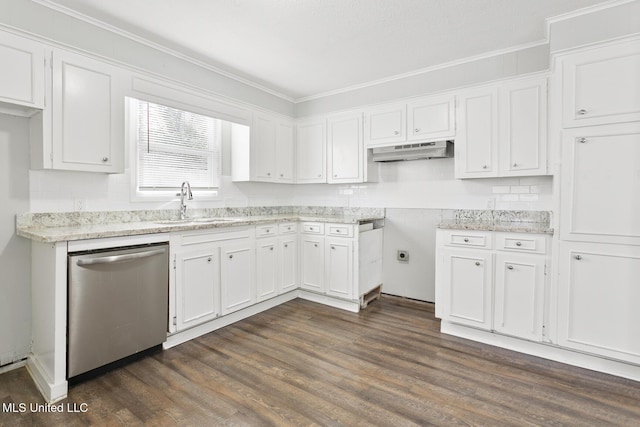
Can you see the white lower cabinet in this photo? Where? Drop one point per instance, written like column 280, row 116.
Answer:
column 312, row 263
column 267, row 267
column 492, row 281
column 237, row 276
column 338, row 259
column 597, row 300
column 276, row 259
column 288, row 254
column 214, row 274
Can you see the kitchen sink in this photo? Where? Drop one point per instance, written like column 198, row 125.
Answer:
column 196, row 221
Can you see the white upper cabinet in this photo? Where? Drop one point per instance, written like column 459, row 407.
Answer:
column 385, row 125
column 87, row 114
column 431, row 118
column 311, row 151
column 476, row 146
column 601, row 85
column 502, row 130
column 345, row 149
column 22, row 74
column 269, row 156
column 601, row 184
column 523, row 127
column 423, row 119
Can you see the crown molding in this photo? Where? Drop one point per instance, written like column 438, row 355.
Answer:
column 51, row 4
column 585, row 11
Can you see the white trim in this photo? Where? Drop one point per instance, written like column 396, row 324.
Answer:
column 585, row 11
column 352, row 306
column 51, row 392
column 164, row 49
column 12, row 366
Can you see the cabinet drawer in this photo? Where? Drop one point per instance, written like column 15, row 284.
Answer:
column 340, row 230
column 472, row 239
column 266, row 230
column 288, row 228
column 520, row 243
column 312, row 228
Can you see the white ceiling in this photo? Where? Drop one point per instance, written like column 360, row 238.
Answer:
column 304, row 48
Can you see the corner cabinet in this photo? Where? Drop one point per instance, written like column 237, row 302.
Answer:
column 276, row 259
column 502, row 130
column 87, row 115
column 493, row 281
column 23, row 82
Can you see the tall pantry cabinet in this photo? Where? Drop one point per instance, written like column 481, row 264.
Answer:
column 599, row 245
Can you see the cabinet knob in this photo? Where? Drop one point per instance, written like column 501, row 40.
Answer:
column 416, row 130
column 478, row 263
column 315, row 245
column 319, row 175
column 105, row 159
column 209, row 259
column 509, row 267
column 271, row 248
column 281, row 175
column 578, row 257
column 582, row 140
column 582, row 112
column 395, row 132
column 515, row 165
column 518, row 243
column 286, row 245
column 333, row 247
column 230, row 256
column 466, row 240
column 268, row 173
column 335, row 175
column 484, row 166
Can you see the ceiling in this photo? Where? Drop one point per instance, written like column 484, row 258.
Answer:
column 306, row 48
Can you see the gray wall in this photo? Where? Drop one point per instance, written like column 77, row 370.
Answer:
column 15, row 252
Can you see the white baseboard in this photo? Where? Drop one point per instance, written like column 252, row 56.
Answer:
column 353, row 306
column 12, row 366
column 546, row 351
column 50, row 391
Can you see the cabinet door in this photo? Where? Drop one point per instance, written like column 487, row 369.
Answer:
column 346, row 150
column 598, row 297
column 88, row 115
column 601, row 85
column 384, row 126
column 197, row 287
column 476, row 154
column 467, row 288
column 431, row 118
column 339, row 267
column 22, row 72
column 237, row 276
column 312, row 263
column 267, row 268
column 518, row 295
column 523, row 128
column 288, row 263
column 311, row 152
column 285, row 152
column 263, row 148
column 601, row 184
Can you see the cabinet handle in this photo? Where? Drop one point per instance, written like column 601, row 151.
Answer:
column 395, row 132
column 582, row 140
column 416, row 130
column 578, row 257
column 518, row 243
column 509, row 267
column 478, row 263
column 105, row 159
column 466, row 240
column 582, row 112
column 230, row 256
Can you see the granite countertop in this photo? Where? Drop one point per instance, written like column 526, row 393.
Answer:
column 491, row 220
column 59, row 227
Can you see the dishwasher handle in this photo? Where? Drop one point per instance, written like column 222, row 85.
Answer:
column 120, row 258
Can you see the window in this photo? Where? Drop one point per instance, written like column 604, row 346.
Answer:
column 173, row 146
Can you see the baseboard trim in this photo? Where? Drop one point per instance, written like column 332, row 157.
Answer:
column 50, row 391
column 352, row 306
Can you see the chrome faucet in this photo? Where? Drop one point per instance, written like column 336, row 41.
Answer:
column 185, row 192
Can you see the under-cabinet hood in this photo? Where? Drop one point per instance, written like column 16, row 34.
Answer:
column 419, row 150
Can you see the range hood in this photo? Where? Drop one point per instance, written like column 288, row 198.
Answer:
column 419, row 150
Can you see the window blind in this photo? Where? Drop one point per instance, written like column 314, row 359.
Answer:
column 174, row 146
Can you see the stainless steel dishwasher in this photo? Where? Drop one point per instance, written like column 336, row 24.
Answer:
column 118, row 304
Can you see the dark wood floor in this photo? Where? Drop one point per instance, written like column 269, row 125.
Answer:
column 305, row 364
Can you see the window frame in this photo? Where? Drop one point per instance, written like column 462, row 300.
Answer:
column 131, row 136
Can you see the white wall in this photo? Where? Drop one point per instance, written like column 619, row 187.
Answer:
column 15, row 252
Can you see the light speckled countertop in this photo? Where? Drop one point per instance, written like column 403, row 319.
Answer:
column 493, row 220
column 59, row 227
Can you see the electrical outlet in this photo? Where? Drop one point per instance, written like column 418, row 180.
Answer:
column 80, row 204
column 403, row 256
